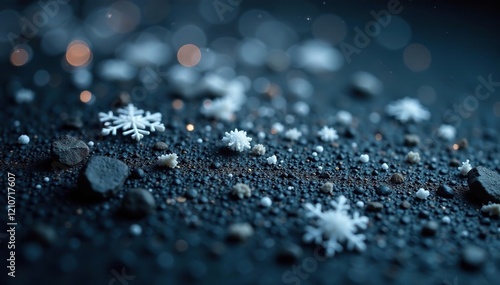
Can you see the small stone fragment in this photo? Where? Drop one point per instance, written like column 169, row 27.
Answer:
column 289, row 254
column 484, row 184
column 102, row 176
column 430, row 228
column 138, row 203
column 266, row 202
column 23, row 139
column 327, row 188
column 445, row 191
column 383, row 190
column 240, row 232
column 160, row 146
column 374, row 206
column 241, row 190
column 397, row 178
column 138, row 173
column 364, row 158
column 473, row 257
column 411, row 140
column 69, row 150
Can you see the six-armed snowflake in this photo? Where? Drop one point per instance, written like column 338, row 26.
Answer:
column 408, row 109
column 132, row 121
column 333, row 227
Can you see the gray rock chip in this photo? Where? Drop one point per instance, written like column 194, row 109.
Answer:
column 397, row 178
column 473, row 257
column 484, row 184
column 138, row 202
column 103, row 176
column 69, row 150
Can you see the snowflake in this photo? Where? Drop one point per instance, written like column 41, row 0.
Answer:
column 328, row 134
column 293, row 134
column 336, row 226
column 237, row 140
column 408, row 109
column 465, row 168
column 132, row 121
column 447, row 132
column 169, row 160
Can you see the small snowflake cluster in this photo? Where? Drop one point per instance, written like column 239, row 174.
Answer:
column 237, row 140
column 408, row 109
column 333, row 227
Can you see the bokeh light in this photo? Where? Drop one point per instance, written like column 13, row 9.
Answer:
column 396, row 35
column 123, row 16
column 86, row 96
column 189, row 55
column 329, row 28
column 417, row 57
column 78, row 53
column 19, row 57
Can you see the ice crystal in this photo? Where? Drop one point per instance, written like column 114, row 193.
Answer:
column 408, row 109
column 328, row 134
column 333, row 227
column 132, row 121
column 237, row 140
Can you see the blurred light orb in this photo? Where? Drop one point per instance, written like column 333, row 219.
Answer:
column 417, row 57
column 19, row 56
column 317, row 56
column 426, row 94
column 85, row 96
column 78, row 53
column 329, row 28
column 253, row 52
column 123, row 16
column 396, row 35
column 189, row 34
column 189, row 55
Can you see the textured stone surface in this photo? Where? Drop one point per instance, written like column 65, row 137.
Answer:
column 69, row 150
column 103, row 176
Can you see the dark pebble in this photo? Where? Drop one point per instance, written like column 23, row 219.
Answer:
column 411, row 140
column 160, row 146
column 374, row 206
column 445, row 191
column 69, row 150
column 463, row 143
column 430, row 228
column 383, row 190
column 44, row 234
column 289, row 254
column 138, row 173
column 102, row 176
column 473, row 257
column 454, row 162
column 73, row 123
column 138, row 202
column 397, row 178
column 191, row 193
column 359, row 190
column 484, row 184
column 405, row 205
column 324, row 175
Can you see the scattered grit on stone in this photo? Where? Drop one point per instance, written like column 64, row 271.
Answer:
column 103, row 176
column 484, row 184
column 69, row 150
column 138, row 202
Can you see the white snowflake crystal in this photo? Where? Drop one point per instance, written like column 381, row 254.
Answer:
column 328, row 134
column 293, row 134
column 408, row 109
column 465, row 168
column 237, row 140
column 169, row 160
column 132, row 121
column 333, row 227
